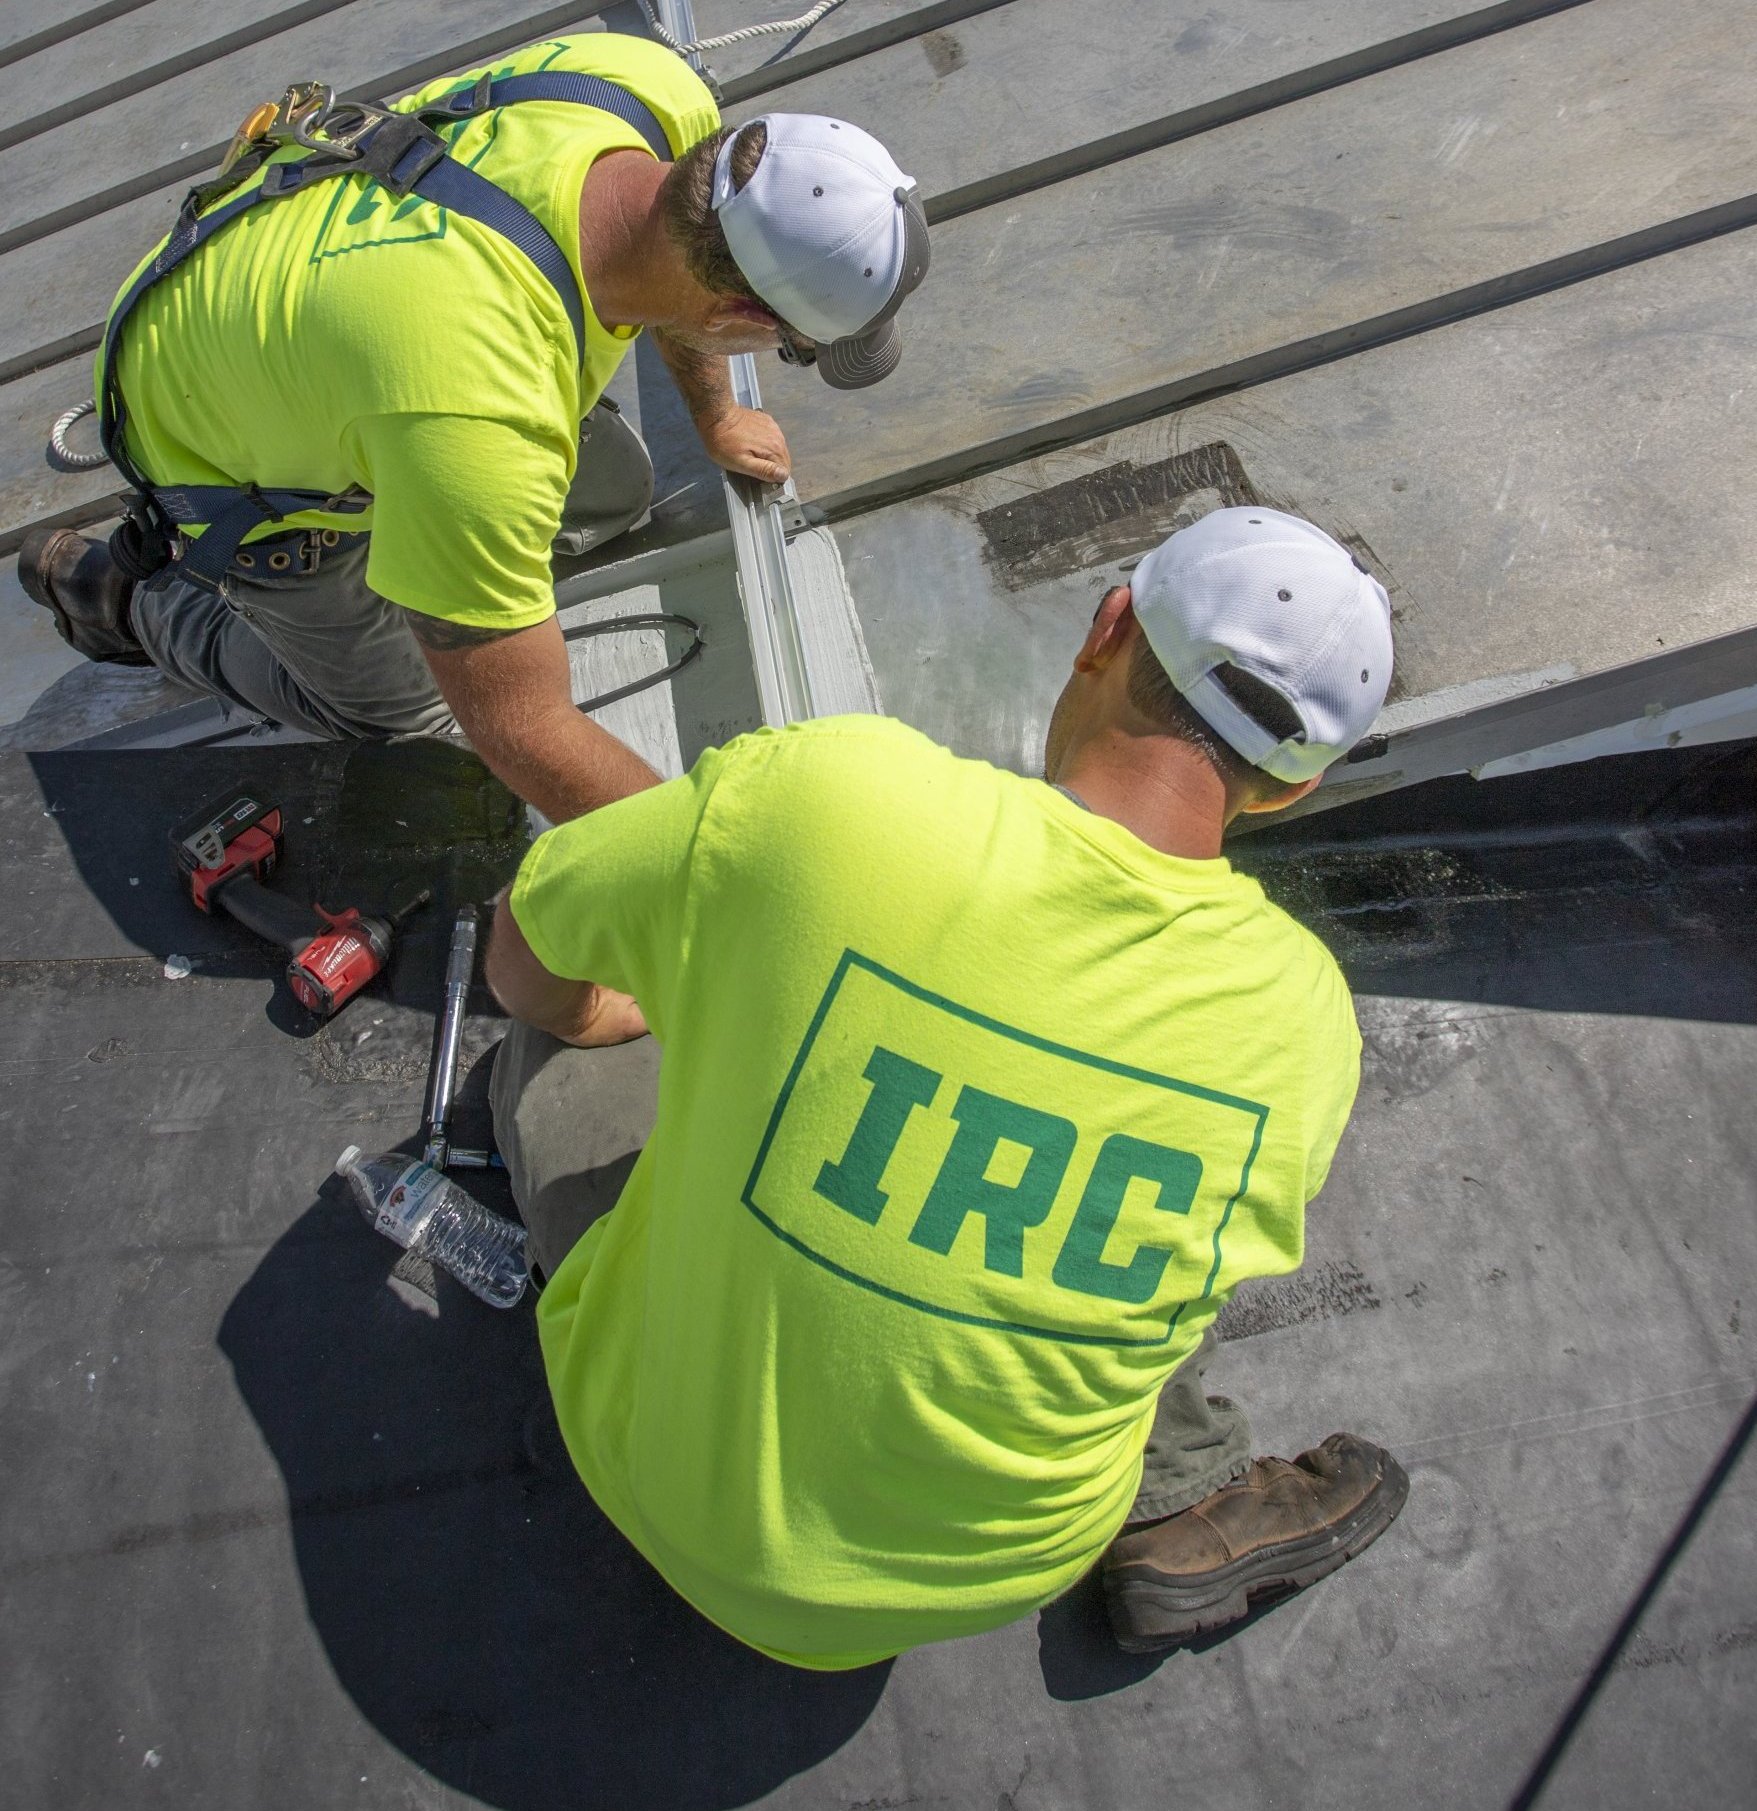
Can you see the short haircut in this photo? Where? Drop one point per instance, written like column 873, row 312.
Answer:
column 1165, row 707
column 686, row 203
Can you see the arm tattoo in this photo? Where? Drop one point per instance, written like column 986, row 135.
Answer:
column 446, row 637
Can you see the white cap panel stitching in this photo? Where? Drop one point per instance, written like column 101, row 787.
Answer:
column 1203, row 599
column 799, row 268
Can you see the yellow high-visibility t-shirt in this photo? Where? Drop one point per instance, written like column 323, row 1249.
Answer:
column 342, row 338
column 973, row 1109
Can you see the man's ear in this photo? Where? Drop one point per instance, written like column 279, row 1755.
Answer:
column 730, row 314
column 1109, row 634
column 1282, row 796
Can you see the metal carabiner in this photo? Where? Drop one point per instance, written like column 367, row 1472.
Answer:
column 292, row 120
column 310, row 116
column 300, row 115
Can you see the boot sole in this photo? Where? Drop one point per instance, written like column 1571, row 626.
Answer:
column 1150, row 1611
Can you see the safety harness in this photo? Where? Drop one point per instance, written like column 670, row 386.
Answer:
column 405, row 153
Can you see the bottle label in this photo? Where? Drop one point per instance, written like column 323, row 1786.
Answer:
column 404, row 1202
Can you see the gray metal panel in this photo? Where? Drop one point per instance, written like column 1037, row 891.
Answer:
column 844, row 32
column 967, row 108
column 26, row 25
column 69, row 705
column 1072, row 309
column 706, row 703
column 132, row 50
column 1551, row 490
column 32, row 655
column 31, row 489
column 60, row 288
column 1479, row 728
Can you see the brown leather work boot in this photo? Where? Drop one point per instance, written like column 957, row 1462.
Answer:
column 76, row 581
column 1277, row 1529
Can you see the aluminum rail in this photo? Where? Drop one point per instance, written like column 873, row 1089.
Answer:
column 759, row 530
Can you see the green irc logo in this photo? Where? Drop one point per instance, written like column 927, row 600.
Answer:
column 942, row 1159
column 965, row 1185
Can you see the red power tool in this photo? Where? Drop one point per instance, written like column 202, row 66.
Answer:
column 225, row 853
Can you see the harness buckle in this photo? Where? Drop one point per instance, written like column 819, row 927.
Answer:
column 303, row 117
column 309, row 115
column 395, row 149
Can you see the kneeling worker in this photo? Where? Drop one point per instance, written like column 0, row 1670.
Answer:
column 978, row 1096
column 411, row 316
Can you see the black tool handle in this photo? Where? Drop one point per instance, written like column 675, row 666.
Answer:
column 271, row 915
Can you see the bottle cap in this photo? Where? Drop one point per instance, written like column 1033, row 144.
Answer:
column 346, row 1158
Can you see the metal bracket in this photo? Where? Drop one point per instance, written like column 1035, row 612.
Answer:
column 795, row 517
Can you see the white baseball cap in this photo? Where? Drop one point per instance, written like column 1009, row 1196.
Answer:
column 831, row 235
column 1277, row 598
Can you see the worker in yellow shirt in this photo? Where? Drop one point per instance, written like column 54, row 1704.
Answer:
column 977, row 1097
column 359, row 388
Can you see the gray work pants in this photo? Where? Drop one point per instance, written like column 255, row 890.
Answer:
column 569, row 1124
column 298, row 638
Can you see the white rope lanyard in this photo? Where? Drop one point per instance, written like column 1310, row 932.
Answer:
column 804, row 22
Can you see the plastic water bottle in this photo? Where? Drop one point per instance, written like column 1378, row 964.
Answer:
column 425, row 1211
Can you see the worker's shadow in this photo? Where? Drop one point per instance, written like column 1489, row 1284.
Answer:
column 475, row 1604
column 366, row 823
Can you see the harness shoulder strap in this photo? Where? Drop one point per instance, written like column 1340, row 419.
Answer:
column 557, row 85
column 455, row 185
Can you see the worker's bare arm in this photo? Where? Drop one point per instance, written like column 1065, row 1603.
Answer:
column 577, row 1012
column 742, row 440
column 511, row 693
column 703, row 379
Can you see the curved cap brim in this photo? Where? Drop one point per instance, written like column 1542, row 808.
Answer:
column 862, row 359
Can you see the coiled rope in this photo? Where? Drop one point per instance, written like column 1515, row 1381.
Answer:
column 804, row 22
column 72, row 461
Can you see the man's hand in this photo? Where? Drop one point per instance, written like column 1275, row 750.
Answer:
column 580, row 1013
column 748, row 441
column 741, row 440
column 511, row 692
